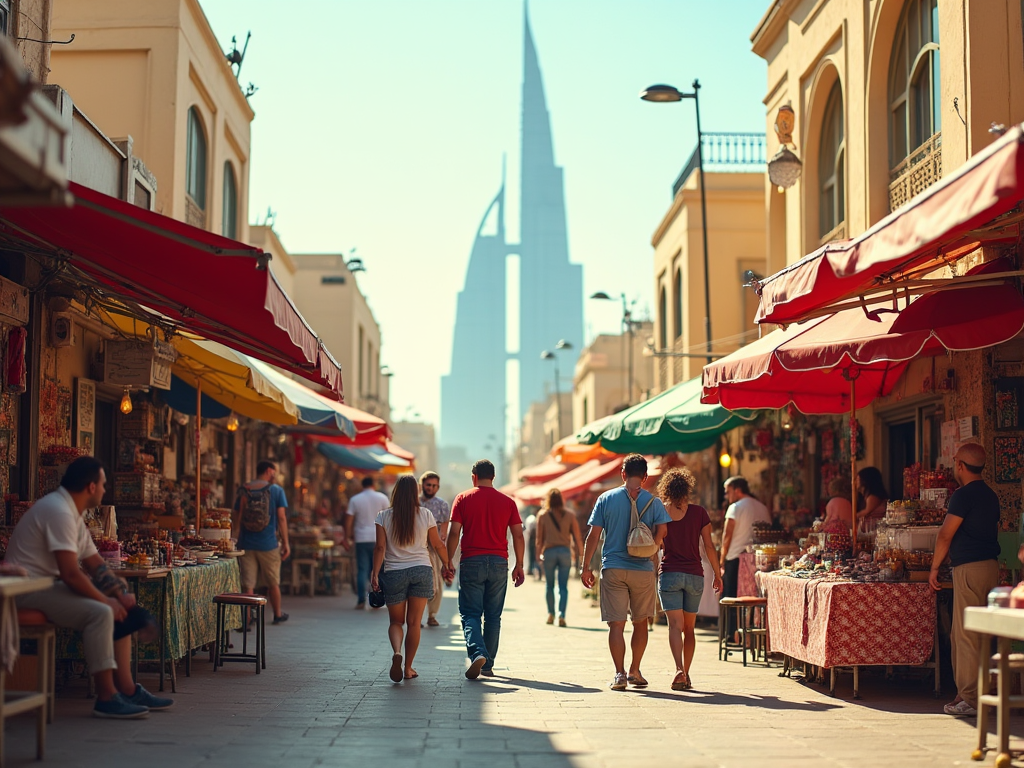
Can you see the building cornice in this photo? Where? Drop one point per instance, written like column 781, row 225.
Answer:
column 771, row 25
column 222, row 63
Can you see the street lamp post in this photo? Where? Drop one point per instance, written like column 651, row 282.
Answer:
column 628, row 325
column 549, row 355
column 668, row 93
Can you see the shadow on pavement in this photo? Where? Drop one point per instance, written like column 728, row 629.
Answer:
column 762, row 702
column 542, row 686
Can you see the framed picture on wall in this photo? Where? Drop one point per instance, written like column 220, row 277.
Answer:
column 1009, row 401
column 1009, row 459
column 84, row 419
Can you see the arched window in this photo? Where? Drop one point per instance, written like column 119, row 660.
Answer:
column 195, row 159
column 914, row 83
column 831, row 165
column 663, row 320
column 677, row 305
column 229, row 223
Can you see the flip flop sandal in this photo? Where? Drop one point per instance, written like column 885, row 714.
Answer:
column 637, row 681
column 413, row 676
column 396, row 668
column 679, row 682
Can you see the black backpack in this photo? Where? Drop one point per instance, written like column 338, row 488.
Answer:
column 254, row 504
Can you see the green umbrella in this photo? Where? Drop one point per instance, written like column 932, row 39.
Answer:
column 675, row 420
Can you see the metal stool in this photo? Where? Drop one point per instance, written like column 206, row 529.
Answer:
column 33, row 625
column 747, row 611
column 298, row 564
column 255, row 603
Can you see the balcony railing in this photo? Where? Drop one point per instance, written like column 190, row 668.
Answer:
column 920, row 169
column 726, row 152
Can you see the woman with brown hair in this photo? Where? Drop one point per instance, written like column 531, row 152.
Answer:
column 557, row 530
column 403, row 532
column 681, row 581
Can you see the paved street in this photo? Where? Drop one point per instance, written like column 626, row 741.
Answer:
column 325, row 699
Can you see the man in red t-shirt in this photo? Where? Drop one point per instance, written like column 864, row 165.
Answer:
column 484, row 516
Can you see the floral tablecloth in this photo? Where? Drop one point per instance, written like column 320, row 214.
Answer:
column 831, row 624
column 746, row 586
column 191, row 619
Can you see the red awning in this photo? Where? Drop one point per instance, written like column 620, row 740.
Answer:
column 207, row 284
column 546, row 470
column 938, row 226
column 804, row 364
column 571, row 483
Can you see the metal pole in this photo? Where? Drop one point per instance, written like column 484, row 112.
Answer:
column 199, row 454
column 704, row 222
column 853, row 465
column 558, row 401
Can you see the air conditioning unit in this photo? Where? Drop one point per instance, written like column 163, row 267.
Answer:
column 62, row 330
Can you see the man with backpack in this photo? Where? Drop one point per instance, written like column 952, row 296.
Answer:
column 258, row 521
column 634, row 523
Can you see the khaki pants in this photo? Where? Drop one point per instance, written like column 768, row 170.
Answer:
column 434, row 603
column 971, row 585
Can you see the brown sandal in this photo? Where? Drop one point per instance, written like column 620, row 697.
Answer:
column 637, row 680
column 679, row 682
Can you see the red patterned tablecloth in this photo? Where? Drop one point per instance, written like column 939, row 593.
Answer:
column 746, row 586
column 831, row 624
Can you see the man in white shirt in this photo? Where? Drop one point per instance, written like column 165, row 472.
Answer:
column 744, row 510
column 361, row 530
column 52, row 540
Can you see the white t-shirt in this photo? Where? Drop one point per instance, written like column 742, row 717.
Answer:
column 745, row 512
column 53, row 524
column 408, row 555
column 364, row 507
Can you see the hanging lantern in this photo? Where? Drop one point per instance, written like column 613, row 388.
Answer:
column 232, row 425
column 725, row 460
column 784, row 169
column 126, row 402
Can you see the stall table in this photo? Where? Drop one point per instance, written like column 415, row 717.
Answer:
column 832, row 624
column 1005, row 624
column 189, row 619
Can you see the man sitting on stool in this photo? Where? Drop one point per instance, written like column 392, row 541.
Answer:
column 53, row 541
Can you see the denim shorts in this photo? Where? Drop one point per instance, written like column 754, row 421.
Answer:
column 400, row 585
column 680, row 591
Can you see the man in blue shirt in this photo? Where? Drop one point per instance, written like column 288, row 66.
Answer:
column 262, row 556
column 628, row 584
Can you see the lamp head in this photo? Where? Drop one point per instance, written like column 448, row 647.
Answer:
column 547, row 355
column 662, row 93
column 563, row 344
column 600, row 295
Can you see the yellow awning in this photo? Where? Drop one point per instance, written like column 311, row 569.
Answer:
column 226, row 375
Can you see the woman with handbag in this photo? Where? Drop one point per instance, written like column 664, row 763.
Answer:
column 681, row 579
column 557, row 532
column 404, row 531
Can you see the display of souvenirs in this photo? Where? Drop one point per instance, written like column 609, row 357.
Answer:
column 912, row 481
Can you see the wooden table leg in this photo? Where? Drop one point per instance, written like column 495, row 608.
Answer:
column 983, row 661
column 1003, row 710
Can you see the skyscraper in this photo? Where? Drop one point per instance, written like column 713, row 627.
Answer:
column 473, row 394
column 550, row 288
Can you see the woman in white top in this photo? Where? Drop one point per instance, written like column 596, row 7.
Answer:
column 403, row 532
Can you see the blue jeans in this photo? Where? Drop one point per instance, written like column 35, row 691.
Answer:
column 557, row 559
column 364, row 564
column 482, row 583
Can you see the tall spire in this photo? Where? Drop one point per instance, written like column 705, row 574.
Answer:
column 550, row 287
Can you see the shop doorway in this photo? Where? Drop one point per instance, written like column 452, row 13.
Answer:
column 902, row 453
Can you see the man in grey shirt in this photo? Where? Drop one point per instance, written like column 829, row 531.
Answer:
column 430, row 483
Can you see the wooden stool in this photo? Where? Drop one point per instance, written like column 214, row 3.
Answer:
column 33, row 625
column 751, row 621
column 298, row 563
column 255, row 603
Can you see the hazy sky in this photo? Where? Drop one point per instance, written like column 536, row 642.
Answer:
column 381, row 124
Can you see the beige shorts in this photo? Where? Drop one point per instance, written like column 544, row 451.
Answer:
column 265, row 565
column 629, row 592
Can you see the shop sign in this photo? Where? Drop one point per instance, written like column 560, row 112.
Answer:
column 13, row 302
column 139, row 363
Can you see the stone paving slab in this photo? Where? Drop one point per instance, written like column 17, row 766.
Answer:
column 325, row 700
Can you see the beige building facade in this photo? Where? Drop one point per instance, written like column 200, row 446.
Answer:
column 736, row 235
column 154, row 71
column 600, row 380
column 421, row 439
column 889, row 96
